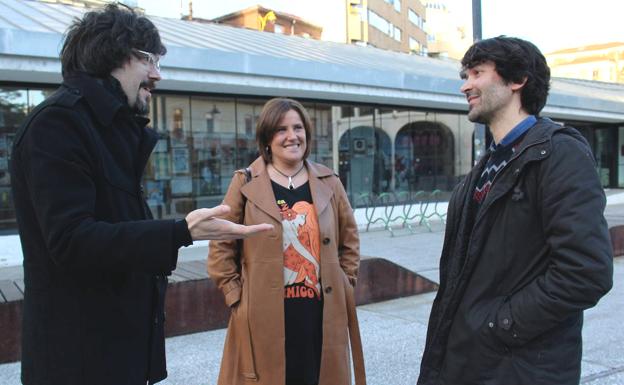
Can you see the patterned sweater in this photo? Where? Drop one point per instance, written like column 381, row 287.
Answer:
column 499, row 155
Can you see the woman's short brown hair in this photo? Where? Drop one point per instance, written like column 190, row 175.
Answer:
column 270, row 117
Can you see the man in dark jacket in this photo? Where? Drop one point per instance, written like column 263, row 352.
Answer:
column 95, row 262
column 526, row 248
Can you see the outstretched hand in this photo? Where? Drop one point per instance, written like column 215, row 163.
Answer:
column 203, row 224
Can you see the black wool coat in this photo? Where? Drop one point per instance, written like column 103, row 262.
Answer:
column 516, row 275
column 94, row 260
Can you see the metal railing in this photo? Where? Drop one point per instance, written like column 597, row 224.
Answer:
column 401, row 209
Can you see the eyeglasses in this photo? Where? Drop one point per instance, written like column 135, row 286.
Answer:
column 150, row 57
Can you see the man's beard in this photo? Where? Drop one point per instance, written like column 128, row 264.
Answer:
column 482, row 117
column 142, row 107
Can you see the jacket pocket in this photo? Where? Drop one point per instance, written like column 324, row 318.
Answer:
column 347, row 281
column 483, row 321
column 554, row 356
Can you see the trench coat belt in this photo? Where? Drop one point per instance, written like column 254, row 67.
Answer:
column 356, row 341
column 249, row 372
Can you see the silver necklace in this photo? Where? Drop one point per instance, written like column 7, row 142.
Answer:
column 290, row 182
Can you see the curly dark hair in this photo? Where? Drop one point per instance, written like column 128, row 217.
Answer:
column 270, row 117
column 515, row 60
column 103, row 40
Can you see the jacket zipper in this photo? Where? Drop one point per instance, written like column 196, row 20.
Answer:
column 481, row 213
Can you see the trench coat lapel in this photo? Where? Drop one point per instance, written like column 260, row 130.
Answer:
column 321, row 192
column 258, row 190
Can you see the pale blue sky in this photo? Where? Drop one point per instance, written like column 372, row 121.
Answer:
column 550, row 24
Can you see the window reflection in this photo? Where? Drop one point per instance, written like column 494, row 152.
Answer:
column 204, row 140
column 376, row 150
column 35, row 97
column 321, row 148
column 15, row 103
column 248, row 112
column 424, row 156
column 196, row 149
column 212, row 148
column 400, row 152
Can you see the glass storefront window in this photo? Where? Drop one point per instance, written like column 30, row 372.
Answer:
column 15, row 103
column 168, row 178
column 248, row 112
column 603, row 141
column 605, row 152
column 213, row 148
column 620, row 157
column 321, row 143
column 204, row 139
column 35, row 97
column 211, row 119
column 398, row 152
column 365, row 153
column 195, row 157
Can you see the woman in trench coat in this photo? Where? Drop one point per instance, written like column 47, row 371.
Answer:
column 290, row 290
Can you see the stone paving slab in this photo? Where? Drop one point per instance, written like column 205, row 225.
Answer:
column 617, row 378
column 393, row 334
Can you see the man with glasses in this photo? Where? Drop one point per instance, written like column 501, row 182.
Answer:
column 150, row 57
column 95, row 262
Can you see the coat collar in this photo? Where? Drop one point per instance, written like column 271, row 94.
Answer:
column 541, row 132
column 104, row 104
column 536, row 145
column 538, row 136
column 259, row 191
column 321, row 191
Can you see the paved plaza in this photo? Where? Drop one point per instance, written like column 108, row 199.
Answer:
column 393, row 332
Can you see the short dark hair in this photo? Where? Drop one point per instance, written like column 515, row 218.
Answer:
column 103, row 40
column 271, row 115
column 515, row 60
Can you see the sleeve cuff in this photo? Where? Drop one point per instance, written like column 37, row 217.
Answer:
column 233, row 296
column 182, row 235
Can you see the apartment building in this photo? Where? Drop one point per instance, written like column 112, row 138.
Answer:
column 602, row 62
column 397, row 25
column 264, row 19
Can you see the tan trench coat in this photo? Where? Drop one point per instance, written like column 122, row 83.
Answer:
column 253, row 285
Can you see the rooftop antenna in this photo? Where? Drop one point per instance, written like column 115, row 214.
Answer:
column 190, row 10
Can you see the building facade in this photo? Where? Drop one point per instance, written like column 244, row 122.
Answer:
column 264, row 19
column 397, row 25
column 390, row 124
column 602, row 62
column 447, row 36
